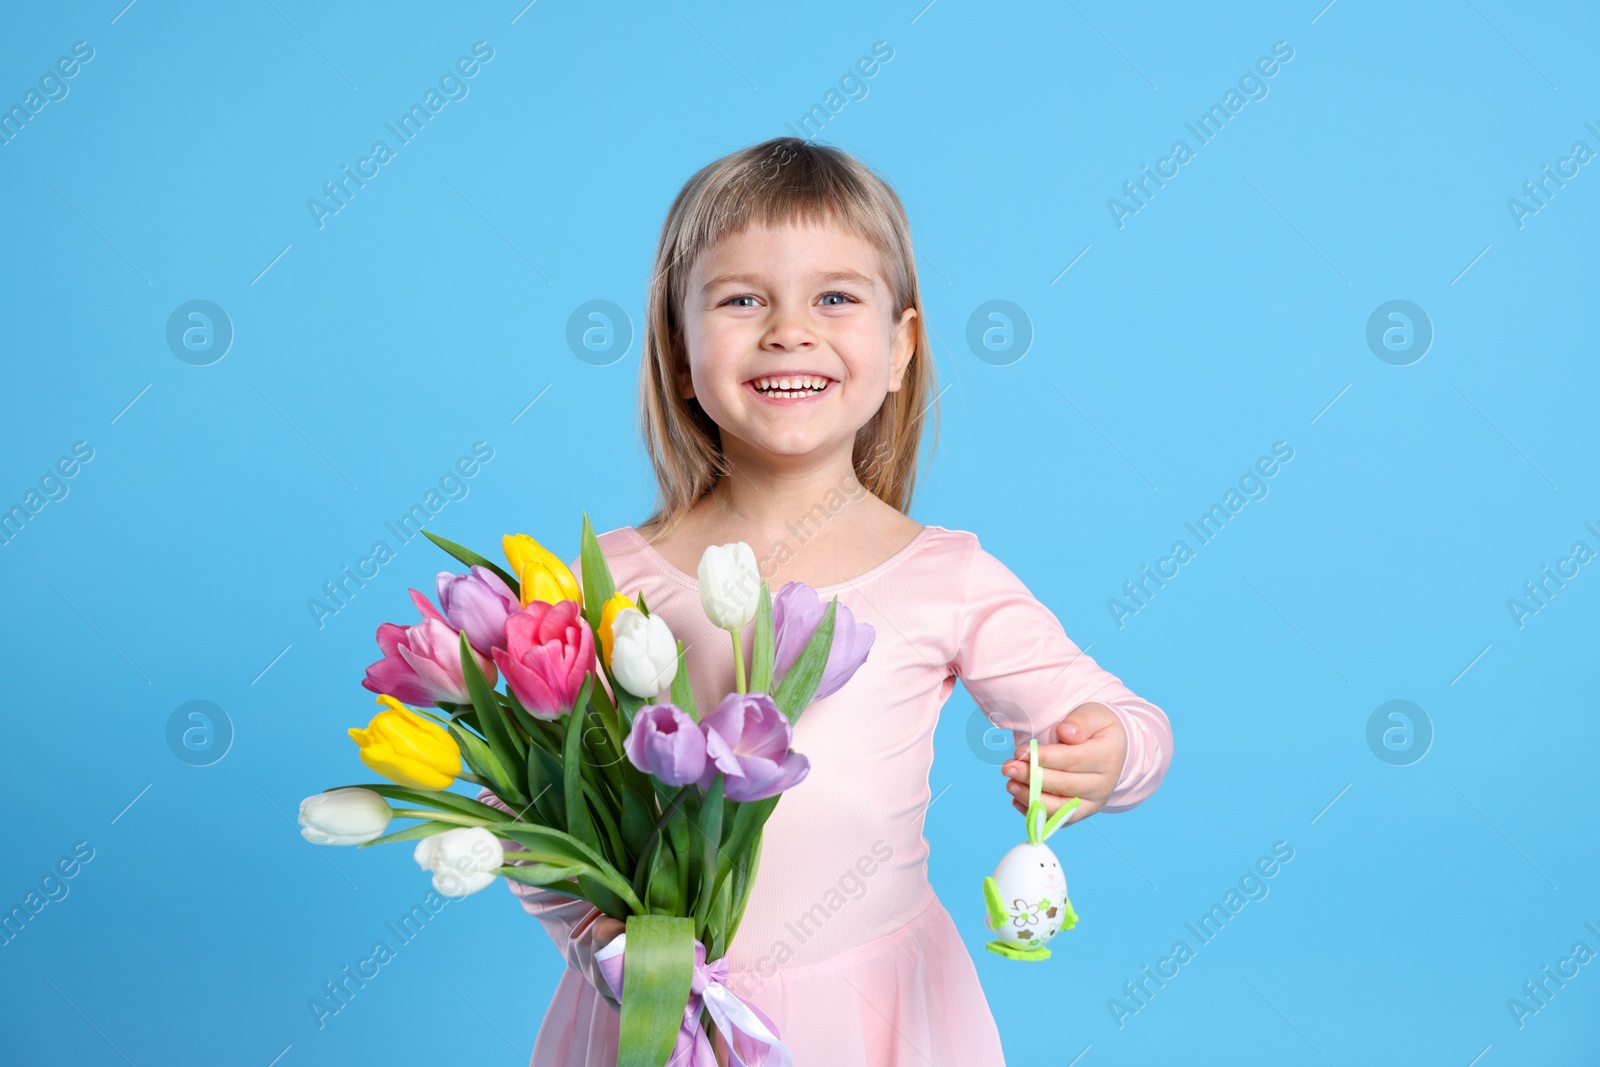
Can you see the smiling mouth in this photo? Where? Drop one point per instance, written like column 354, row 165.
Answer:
column 790, row 386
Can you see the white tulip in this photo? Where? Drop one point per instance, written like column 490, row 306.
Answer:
column 344, row 817
column 462, row 860
column 644, row 654
column 730, row 585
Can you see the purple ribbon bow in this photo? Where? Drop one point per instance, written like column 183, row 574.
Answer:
column 752, row 1037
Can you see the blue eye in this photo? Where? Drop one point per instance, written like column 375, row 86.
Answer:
column 847, row 296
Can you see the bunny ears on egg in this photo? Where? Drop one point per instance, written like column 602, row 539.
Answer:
column 1039, row 827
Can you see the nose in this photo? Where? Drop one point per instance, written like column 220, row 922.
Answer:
column 790, row 331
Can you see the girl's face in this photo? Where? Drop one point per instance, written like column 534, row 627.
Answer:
column 771, row 315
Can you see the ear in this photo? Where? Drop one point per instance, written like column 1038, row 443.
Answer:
column 1036, row 823
column 903, row 346
column 684, row 383
column 1055, row 821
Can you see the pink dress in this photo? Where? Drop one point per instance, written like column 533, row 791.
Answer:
column 844, row 944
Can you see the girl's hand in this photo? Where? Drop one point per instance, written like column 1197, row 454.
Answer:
column 1085, row 764
column 606, row 930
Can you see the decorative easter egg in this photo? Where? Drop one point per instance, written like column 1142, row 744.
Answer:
column 1025, row 901
column 1033, row 892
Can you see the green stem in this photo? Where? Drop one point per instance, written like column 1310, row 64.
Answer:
column 470, row 777
column 439, row 816
column 738, row 662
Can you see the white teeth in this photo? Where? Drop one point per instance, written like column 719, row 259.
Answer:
column 791, row 385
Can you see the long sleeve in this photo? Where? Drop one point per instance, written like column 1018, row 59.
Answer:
column 1016, row 660
column 568, row 921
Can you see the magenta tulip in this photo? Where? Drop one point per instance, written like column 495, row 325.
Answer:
column 421, row 664
column 796, row 613
column 667, row 743
column 549, row 650
column 478, row 602
column 747, row 739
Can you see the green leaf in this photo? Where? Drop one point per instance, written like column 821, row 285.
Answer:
column 491, row 717
column 748, row 820
column 544, row 778
column 678, row 833
column 736, row 891
column 711, row 838
column 659, row 961
column 538, row 873
column 682, row 690
column 530, row 723
column 485, row 763
column 661, row 895
column 472, row 559
column 552, row 846
column 628, row 705
column 600, row 894
column 566, row 889
column 640, row 601
column 761, row 646
column 606, row 712
column 669, row 812
column 598, row 586
column 794, row 692
column 635, row 819
column 411, row 833
column 609, row 839
column 646, row 866
column 579, row 824
column 441, row 799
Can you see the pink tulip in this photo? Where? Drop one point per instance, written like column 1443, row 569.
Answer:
column 549, row 650
column 421, row 664
column 747, row 739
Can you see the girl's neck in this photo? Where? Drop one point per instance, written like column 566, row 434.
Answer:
column 820, row 527
column 767, row 501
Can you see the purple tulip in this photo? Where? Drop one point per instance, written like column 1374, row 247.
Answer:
column 747, row 739
column 796, row 613
column 478, row 602
column 667, row 743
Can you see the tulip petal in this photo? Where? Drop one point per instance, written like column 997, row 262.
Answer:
column 797, row 610
column 395, row 676
column 765, row 778
column 389, row 635
column 425, row 607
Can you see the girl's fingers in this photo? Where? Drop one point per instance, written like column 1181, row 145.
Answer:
column 1093, row 757
column 1062, row 785
column 606, row 930
column 1083, row 722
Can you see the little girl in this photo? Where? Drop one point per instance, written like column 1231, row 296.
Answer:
column 786, row 373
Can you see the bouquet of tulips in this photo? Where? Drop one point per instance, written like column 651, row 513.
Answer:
column 651, row 811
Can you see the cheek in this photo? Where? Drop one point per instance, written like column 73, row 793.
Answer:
column 867, row 354
column 708, row 350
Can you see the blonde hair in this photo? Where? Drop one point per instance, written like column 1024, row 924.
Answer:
column 784, row 180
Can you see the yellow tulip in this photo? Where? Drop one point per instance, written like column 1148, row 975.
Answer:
column 406, row 748
column 608, row 613
column 542, row 574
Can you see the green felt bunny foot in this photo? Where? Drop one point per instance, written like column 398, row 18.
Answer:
column 1014, row 952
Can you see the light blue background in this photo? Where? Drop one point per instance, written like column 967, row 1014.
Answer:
column 1228, row 314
